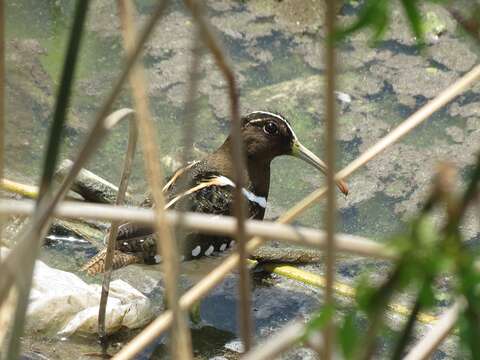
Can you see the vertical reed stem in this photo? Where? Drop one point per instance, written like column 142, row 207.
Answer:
column 330, row 145
column 112, row 236
column 2, row 102
column 181, row 343
column 245, row 314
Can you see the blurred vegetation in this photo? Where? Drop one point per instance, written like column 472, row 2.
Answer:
column 427, row 251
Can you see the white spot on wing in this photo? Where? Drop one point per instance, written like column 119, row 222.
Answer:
column 196, row 251
column 232, row 243
column 223, row 247
column 157, row 258
column 209, row 251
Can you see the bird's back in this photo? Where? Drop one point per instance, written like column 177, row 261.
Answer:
column 198, row 187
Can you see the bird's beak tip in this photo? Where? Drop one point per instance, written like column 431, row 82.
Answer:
column 342, row 185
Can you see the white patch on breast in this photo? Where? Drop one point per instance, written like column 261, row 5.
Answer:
column 158, row 259
column 260, row 200
column 209, row 251
column 196, row 251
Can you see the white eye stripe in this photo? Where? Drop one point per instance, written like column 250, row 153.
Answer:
column 276, row 116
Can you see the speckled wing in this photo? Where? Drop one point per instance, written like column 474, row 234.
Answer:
column 195, row 189
column 210, row 196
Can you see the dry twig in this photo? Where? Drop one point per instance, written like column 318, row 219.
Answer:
column 330, row 137
column 181, row 343
column 427, row 345
column 245, row 316
column 122, row 192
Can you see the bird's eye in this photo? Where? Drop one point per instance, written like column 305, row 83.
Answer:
column 270, row 128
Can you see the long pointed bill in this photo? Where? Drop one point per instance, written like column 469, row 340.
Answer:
column 301, row 152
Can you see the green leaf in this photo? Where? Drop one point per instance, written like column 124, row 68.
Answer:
column 415, row 19
column 320, row 319
column 63, row 97
column 374, row 14
column 348, row 336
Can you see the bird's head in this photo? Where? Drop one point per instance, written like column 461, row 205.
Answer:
column 267, row 135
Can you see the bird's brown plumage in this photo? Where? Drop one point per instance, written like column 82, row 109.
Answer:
column 206, row 186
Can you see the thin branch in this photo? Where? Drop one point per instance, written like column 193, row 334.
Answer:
column 429, row 342
column 121, row 195
column 2, row 99
column 162, row 323
column 166, row 243
column 238, row 158
column 209, row 224
column 330, row 136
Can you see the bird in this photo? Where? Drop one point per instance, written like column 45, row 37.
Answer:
column 206, row 186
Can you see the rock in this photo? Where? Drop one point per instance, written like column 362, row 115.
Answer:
column 455, row 133
column 292, row 16
column 408, row 75
column 454, row 54
column 465, row 110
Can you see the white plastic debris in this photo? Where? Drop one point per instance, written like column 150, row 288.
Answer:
column 62, row 302
column 343, row 97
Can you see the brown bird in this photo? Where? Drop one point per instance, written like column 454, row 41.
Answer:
column 206, row 186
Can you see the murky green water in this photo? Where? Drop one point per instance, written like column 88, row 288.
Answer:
column 278, row 60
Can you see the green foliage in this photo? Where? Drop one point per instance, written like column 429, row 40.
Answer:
column 415, row 19
column 425, row 253
column 63, row 96
column 348, row 336
column 375, row 14
column 318, row 321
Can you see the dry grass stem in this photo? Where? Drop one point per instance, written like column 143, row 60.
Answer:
column 215, row 276
column 166, row 243
column 210, row 224
column 122, row 192
column 238, row 159
column 2, row 98
column 427, row 345
column 330, row 137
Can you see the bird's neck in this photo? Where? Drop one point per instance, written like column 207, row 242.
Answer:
column 256, row 175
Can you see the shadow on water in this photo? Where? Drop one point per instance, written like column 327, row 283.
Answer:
column 374, row 218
